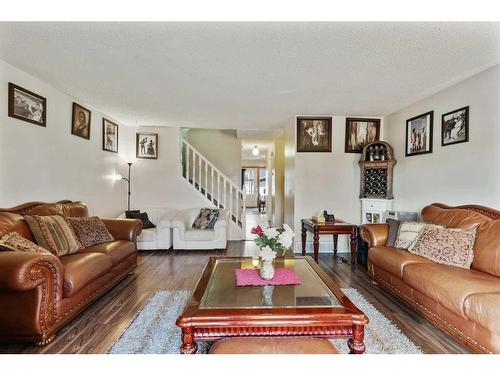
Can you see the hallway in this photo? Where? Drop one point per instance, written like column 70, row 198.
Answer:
column 253, row 218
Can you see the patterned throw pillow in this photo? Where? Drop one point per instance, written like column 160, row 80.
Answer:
column 393, row 232
column 451, row 246
column 206, row 219
column 13, row 241
column 408, row 234
column 142, row 216
column 90, row 230
column 54, row 234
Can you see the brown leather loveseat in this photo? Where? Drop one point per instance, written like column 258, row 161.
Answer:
column 464, row 303
column 40, row 293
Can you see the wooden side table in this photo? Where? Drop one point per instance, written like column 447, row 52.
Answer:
column 330, row 227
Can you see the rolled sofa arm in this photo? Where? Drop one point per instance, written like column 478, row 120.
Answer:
column 375, row 234
column 21, row 271
column 124, row 229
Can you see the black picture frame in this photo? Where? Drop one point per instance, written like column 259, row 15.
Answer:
column 105, row 145
column 29, row 110
column 349, row 123
column 445, row 128
column 84, row 130
column 139, row 150
column 304, row 144
column 412, row 122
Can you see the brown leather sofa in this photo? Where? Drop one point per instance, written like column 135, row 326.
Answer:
column 40, row 293
column 464, row 303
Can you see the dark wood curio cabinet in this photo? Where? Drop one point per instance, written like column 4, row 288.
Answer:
column 377, row 164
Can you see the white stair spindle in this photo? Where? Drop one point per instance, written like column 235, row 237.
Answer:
column 188, row 151
column 206, row 178
column 212, row 189
column 230, row 202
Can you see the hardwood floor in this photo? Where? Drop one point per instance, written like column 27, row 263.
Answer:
column 95, row 330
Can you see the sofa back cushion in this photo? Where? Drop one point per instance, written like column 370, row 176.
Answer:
column 11, row 222
column 487, row 248
column 54, row 234
column 487, row 243
column 453, row 217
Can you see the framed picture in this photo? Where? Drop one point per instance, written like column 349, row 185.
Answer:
column 314, row 134
column 455, row 127
column 26, row 105
column 109, row 136
column 419, row 134
column 146, row 145
column 359, row 132
column 80, row 125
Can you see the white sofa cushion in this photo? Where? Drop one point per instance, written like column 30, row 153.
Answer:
column 199, row 235
column 147, row 235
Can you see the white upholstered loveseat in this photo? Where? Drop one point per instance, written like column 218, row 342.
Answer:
column 185, row 237
column 159, row 238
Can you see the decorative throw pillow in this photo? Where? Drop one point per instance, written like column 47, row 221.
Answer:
column 142, row 216
column 54, row 234
column 408, row 234
column 132, row 214
column 206, row 219
column 393, row 232
column 90, row 230
column 13, row 241
column 451, row 246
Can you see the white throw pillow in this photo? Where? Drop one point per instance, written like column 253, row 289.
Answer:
column 408, row 234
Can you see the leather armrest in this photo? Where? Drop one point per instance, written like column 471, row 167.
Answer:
column 375, row 234
column 24, row 271
column 124, row 229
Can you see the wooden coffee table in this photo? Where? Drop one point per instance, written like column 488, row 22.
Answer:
column 317, row 308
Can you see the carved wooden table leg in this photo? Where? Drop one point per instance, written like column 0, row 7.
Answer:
column 316, row 245
column 353, row 246
column 335, row 241
column 188, row 345
column 304, row 237
column 356, row 344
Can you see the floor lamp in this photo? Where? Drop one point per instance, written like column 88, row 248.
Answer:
column 120, row 177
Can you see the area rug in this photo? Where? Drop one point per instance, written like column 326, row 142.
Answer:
column 153, row 331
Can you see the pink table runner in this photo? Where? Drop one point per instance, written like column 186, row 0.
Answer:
column 251, row 277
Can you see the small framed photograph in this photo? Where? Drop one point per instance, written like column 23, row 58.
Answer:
column 109, row 136
column 26, row 105
column 359, row 132
column 455, row 127
column 314, row 134
column 80, row 125
column 419, row 134
column 146, row 145
column 376, row 218
column 369, row 217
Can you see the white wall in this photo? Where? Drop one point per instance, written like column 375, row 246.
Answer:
column 156, row 183
column 463, row 173
column 327, row 181
column 221, row 147
column 49, row 163
column 289, row 180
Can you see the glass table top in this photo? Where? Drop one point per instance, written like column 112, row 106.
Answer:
column 222, row 293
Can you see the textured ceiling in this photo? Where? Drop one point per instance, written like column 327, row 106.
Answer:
column 248, row 75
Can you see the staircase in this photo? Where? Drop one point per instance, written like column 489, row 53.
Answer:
column 213, row 185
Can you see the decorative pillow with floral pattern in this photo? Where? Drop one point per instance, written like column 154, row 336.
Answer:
column 13, row 241
column 90, row 230
column 451, row 246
